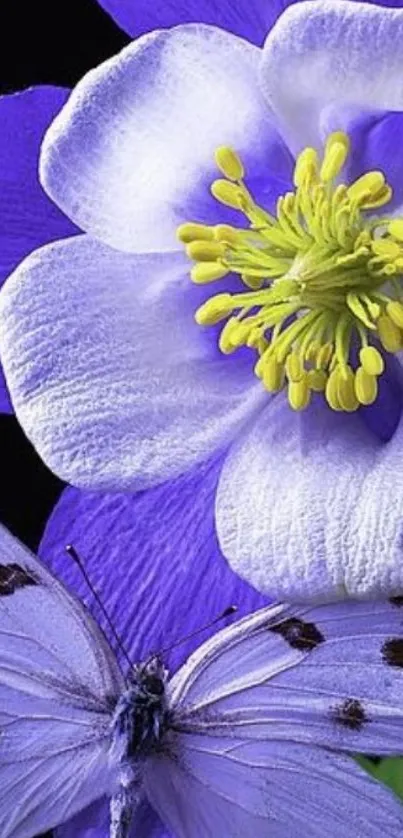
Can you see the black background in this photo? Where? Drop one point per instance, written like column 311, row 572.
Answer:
column 51, row 42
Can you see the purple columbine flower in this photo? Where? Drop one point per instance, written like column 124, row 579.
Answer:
column 110, row 375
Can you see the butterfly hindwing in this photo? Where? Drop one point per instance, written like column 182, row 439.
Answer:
column 58, row 682
column 206, row 786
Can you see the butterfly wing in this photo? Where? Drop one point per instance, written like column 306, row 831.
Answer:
column 58, row 683
column 232, row 788
column 331, row 675
column 261, row 714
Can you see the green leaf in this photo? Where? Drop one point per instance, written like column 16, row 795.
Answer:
column 388, row 771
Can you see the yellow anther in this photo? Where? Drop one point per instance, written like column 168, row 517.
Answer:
column 259, row 366
column 386, row 248
column 383, row 197
column 371, row 360
column 254, row 282
column 226, row 233
column 317, row 380
column 366, row 187
column 389, row 334
column 312, row 350
column 294, row 367
column 189, row 232
column 229, row 163
column 324, row 356
column 366, row 386
column 214, row 310
column 205, row 251
column 336, row 151
column 241, row 333
column 273, row 375
column 205, row 272
column 358, row 308
column 395, row 311
column 345, row 389
column 227, row 342
column 331, row 391
column 227, row 193
column 395, row 229
column 374, row 309
column 299, row 394
column 254, row 339
column 306, row 167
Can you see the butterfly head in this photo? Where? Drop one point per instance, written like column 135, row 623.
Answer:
column 148, row 679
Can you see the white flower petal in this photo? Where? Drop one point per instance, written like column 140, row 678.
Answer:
column 131, row 155
column 310, row 506
column 110, row 377
column 335, row 53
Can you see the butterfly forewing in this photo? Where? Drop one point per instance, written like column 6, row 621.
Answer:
column 329, row 675
column 50, row 626
column 58, row 684
column 260, row 713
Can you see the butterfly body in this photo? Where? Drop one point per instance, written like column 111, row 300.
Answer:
column 249, row 739
column 140, row 716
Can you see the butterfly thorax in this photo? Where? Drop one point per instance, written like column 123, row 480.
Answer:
column 140, row 716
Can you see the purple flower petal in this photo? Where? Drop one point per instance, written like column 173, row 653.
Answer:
column 28, row 218
column 376, row 138
column 154, row 560
column 251, row 19
column 383, row 417
column 131, row 156
column 311, row 505
column 320, row 53
column 110, row 376
column 5, row 402
column 93, row 822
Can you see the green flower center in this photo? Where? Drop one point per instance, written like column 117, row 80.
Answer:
column 318, row 278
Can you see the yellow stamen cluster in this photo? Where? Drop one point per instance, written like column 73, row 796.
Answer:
column 313, row 278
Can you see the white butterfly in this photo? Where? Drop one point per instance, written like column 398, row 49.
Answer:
column 249, row 739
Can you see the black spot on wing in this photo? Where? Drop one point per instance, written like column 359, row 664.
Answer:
column 350, row 714
column 298, row 634
column 13, row 577
column 396, row 600
column 392, row 652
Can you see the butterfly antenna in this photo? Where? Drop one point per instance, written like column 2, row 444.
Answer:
column 74, row 555
column 226, row 613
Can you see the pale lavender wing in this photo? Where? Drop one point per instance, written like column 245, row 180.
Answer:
column 207, row 787
column 330, row 676
column 58, row 683
column 259, row 714
column 44, row 789
column 53, row 631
